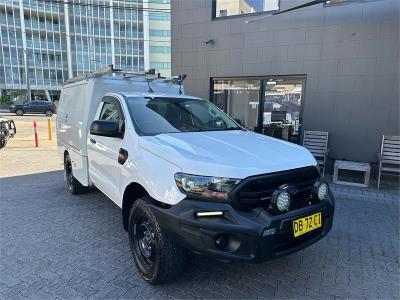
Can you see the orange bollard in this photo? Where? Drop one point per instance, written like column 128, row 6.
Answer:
column 36, row 135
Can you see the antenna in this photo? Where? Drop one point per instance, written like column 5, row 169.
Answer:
column 181, row 79
column 148, row 83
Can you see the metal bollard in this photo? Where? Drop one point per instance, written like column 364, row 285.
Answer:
column 36, row 135
column 50, row 129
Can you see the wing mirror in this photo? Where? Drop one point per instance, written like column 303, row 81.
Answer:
column 105, row 128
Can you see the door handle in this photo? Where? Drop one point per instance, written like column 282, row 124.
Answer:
column 122, row 156
column 93, row 141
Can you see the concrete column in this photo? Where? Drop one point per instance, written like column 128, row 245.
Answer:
column 47, row 95
column 68, row 38
column 24, row 47
column 112, row 33
column 146, row 35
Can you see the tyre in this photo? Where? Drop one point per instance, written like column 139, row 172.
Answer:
column 157, row 257
column 73, row 185
column 48, row 113
column 3, row 143
column 19, row 112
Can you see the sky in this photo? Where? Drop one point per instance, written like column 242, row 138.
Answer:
column 257, row 4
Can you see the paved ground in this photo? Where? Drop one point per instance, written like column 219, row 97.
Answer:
column 16, row 158
column 55, row 245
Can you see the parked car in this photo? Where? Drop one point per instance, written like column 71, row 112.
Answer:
column 34, row 107
column 186, row 176
column 7, row 131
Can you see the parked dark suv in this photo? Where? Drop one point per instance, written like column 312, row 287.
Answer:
column 34, row 107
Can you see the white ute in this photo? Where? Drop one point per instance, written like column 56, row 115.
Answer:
column 187, row 177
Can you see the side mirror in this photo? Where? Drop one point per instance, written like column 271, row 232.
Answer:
column 105, row 128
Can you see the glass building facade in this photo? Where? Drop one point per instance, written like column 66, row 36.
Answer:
column 56, row 40
column 160, row 36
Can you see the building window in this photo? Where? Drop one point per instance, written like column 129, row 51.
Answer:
column 160, row 65
column 239, row 98
column 159, row 16
column 227, row 8
column 160, row 49
column 160, row 33
column 160, row 1
column 271, row 105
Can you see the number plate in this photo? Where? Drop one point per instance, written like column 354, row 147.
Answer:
column 307, row 224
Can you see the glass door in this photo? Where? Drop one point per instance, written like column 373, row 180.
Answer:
column 282, row 107
column 240, row 99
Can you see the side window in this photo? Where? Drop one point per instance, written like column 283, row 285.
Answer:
column 109, row 112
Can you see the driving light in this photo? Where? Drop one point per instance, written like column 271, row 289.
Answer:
column 322, row 191
column 216, row 188
column 209, row 213
column 281, row 200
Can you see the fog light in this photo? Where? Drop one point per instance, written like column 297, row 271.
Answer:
column 281, row 200
column 221, row 242
column 322, row 191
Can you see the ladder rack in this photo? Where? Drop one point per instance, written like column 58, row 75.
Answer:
column 110, row 70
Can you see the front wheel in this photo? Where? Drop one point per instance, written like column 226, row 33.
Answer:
column 73, row 185
column 3, row 143
column 19, row 112
column 158, row 258
column 48, row 113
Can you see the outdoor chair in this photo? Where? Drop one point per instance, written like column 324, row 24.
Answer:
column 317, row 143
column 389, row 157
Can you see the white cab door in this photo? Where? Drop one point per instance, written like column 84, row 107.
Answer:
column 103, row 151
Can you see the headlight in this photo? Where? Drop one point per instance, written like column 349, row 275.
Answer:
column 281, row 199
column 322, row 190
column 216, row 188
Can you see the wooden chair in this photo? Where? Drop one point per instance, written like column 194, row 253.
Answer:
column 389, row 157
column 317, row 143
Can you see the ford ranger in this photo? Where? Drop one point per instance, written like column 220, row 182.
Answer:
column 187, row 177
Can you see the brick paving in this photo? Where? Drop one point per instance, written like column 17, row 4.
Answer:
column 55, row 245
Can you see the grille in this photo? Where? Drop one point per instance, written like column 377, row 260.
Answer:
column 256, row 191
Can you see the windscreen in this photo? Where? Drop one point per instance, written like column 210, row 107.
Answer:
column 169, row 115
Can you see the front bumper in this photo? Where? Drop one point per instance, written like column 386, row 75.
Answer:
column 249, row 233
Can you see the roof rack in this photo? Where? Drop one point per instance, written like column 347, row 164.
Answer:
column 109, row 70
